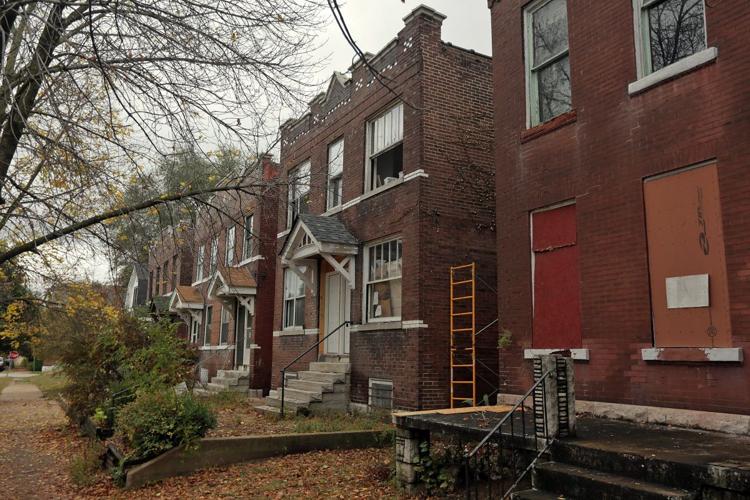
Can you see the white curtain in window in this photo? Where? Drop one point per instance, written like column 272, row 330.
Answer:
column 387, row 130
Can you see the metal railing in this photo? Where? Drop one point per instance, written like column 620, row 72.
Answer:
column 314, row 346
column 493, row 468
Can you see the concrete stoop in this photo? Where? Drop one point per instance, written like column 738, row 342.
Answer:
column 226, row 380
column 324, row 387
column 609, row 471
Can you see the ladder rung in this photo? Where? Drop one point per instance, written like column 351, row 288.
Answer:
column 462, row 366
column 461, row 399
column 453, row 268
column 454, row 349
column 463, row 330
column 464, row 382
column 463, row 314
column 464, row 298
column 461, row 282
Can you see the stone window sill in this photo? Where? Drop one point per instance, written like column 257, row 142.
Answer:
column 291, row 332
column 222, row 347
column 674, row 70
column 375, row 327
column 575, row 354
column 549, row 126
column 693, row 354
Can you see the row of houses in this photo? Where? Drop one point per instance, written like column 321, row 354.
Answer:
column 597, row 183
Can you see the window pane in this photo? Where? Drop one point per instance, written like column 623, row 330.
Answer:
column 676, row 30
column 336, row 158
column 299, row 312
column 288, row 313
column 550, row 25
column 384, row 299
column 386, row 130
column 554, row 90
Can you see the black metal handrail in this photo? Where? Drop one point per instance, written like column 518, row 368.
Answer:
column 283, row 370
column 490, row 449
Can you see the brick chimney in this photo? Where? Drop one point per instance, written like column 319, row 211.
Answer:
column 270, row 168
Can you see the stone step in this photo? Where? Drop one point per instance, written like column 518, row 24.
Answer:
column 233, row 374
column 310, row 385
column 579, row 482
column 271, row 410
column 330, row 378
column 333, row 358
column 536, row 495
column 227, row 381
column 220, row 387
column 197, row 391
column 274, row 399
column 326, row 367
column 299, row 394
column 646, row 468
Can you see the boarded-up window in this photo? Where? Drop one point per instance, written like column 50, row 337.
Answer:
column 557, row 309
column 687, row 266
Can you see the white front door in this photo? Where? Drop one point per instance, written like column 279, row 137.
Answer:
column 337, row 311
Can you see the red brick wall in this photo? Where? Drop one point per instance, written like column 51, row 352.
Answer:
column 600, row 160
column 442, row 220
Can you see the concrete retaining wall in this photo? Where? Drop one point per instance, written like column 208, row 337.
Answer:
column 216, row 452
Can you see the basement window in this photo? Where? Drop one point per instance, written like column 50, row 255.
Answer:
column 385, row 158
column 380, row 394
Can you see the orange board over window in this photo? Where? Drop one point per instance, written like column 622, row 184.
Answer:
column 687, row 266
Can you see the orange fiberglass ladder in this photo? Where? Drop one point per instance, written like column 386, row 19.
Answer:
column 463, row 331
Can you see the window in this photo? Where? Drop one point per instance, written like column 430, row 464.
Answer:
column 200, row 262
column 299, row 192
column 214, row 256
column 195, row 328
column 670, row 30
column 385, row 151
column 384, row 281
column 547, row 63
column 174, row 272
column 335, row 173
column 207, row 331
column 224, row 332
column 381, row 394
column 229, row 247
column 248, row 326
column 247, row 249
column 294, row 300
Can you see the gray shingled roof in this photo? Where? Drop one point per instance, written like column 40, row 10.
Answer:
column 328, row 229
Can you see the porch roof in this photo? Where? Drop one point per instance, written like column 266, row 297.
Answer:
column 185, row 298
column 232, row 281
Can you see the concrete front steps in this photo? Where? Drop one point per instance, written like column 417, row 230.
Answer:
column 324, row 387
column 581, row 473
column 226, row 380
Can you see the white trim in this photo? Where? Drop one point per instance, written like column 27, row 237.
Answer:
column 575, row 354
column 296, row 331
column 375, row 327
column 196, row 283
column 413, row 323
column 673, row 70
column 283, row 233
column 713, row 354
column 366, row 279
column 222, row 347
column 249, row 260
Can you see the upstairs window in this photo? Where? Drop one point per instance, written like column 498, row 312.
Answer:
column 199, row 262
column 335, row 173
column 214, row 256
column 299, row 192
column 229, row 247
column 385, row 148
column 294, row 300
column 247, row 249
column 670, row 30
column 547, row 62
column 384, row 281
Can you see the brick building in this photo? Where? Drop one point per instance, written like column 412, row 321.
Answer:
column 389, row 186
column 623, row 197
column 227, row 303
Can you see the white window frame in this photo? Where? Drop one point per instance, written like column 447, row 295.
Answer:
column 285, row 299
column 370, row 154
column 294, row 197
column 195, row 330
column 207, row 330
column 248, row 326
column 213, row 263
column 200, row 263
column 643, row 41
column 224, row 314
column 379, row 381
column 339, row 176
column 366, row 281
column 532, row 87
column 229, row 247
column 247, row 240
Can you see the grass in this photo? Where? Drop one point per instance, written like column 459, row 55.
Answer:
column 5, row 382
column 337, row 422
column 50, row 383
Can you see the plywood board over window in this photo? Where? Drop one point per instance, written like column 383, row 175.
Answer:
column 557, row 303
column 687, row 265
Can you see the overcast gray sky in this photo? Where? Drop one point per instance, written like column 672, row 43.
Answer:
column 372, row 23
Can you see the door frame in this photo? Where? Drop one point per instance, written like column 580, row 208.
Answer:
column 345, row 339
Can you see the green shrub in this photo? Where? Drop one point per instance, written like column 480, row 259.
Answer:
column 159, row 420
